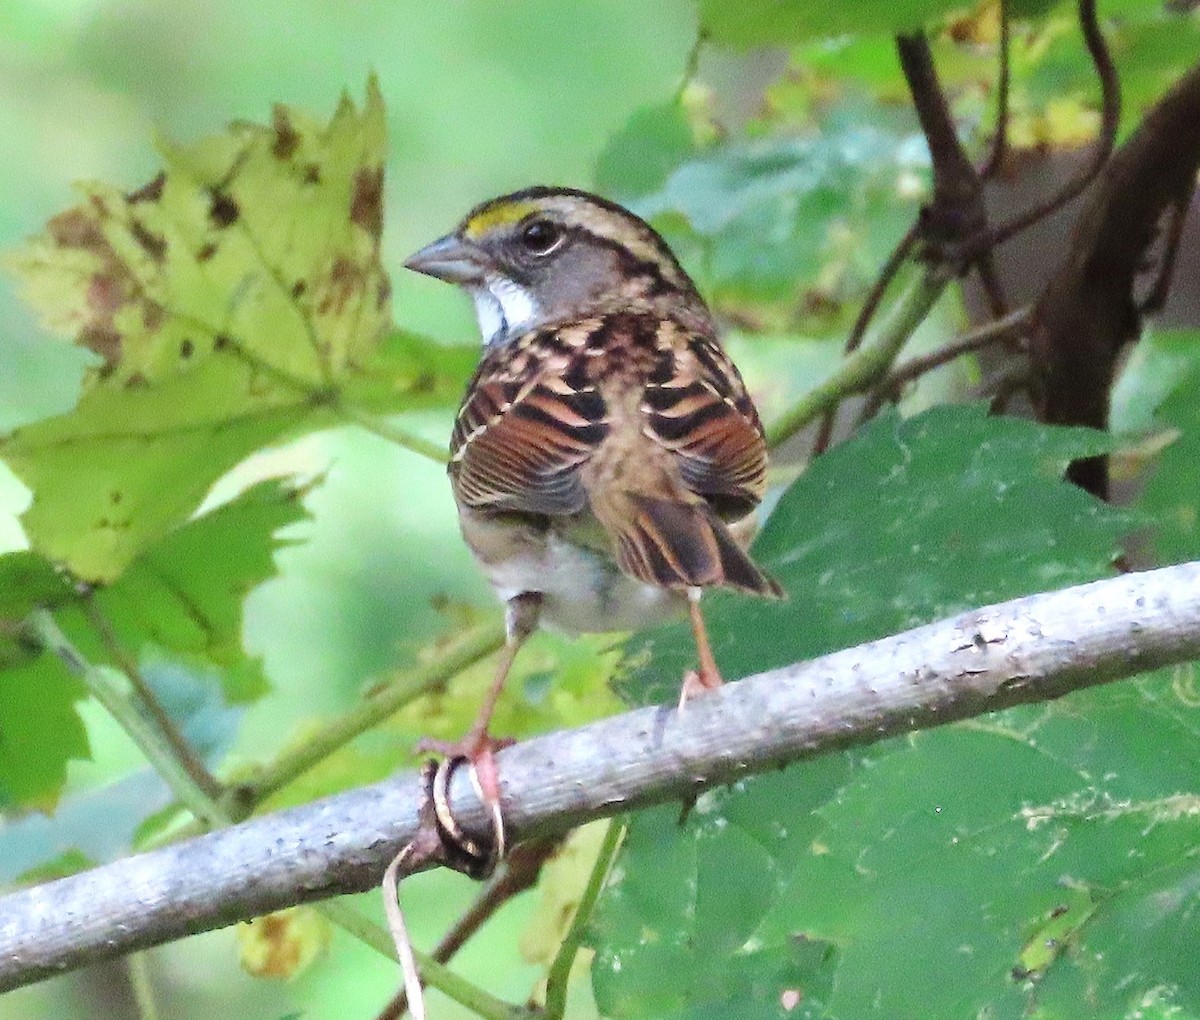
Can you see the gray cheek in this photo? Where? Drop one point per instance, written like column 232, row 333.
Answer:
column 579, row 274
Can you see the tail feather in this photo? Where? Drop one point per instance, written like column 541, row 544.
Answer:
column 679, row 544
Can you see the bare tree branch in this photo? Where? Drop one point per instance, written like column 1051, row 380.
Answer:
column 1027, row 650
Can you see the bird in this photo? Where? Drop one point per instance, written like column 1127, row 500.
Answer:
column 607, row 460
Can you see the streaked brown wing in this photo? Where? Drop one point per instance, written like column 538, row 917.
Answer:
column 529, row 421
column 696, row 406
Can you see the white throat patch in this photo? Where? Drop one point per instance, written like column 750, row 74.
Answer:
column 503, row 308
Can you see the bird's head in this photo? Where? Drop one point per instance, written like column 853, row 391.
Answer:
column 546, row 255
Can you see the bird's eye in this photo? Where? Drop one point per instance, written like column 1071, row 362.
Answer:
column 540, row 237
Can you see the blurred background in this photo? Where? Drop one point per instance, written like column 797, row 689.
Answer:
column 482, row 98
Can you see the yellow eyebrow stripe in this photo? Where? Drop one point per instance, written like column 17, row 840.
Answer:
column 498, row 216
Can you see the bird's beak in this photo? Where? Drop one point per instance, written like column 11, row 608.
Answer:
column 449, row 258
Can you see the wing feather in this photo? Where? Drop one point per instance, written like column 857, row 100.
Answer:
column 524, row 431
column 696, row 405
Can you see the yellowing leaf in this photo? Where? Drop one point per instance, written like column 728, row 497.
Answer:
column 283, row 944
column 236, row 301
column 261, row 244
column 560, row 888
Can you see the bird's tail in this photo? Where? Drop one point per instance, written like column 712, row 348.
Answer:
column 678, row 544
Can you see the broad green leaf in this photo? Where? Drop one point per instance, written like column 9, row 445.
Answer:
column 779, row 218
column 236, row 301
column 778, row 22
column 1172, row 495
column 639, row 158
column 977, row 842
column 676, row 933
column 908, row 522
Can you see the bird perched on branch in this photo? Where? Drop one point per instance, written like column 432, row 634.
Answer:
column 607, row 459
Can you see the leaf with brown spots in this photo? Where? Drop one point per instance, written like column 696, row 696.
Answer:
column 235, row 301
column 282, row 944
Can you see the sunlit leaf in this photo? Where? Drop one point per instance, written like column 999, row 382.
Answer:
column 235, row 301
column 183, row 597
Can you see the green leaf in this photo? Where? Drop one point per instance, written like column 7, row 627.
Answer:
column 1172, row 495
column 184, row 596
column 778, row 22
column 773, row 213
column 236, row 301
column 677, row 931
column 69, row 862
column 27, row 581
column 909, row 521
column 638, row 159
column 40, row 731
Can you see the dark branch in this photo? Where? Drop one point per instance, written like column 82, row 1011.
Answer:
column 1088, row 310
column 956, row 212
column 1027, row 650
column 1110, row 105
column 997, row 331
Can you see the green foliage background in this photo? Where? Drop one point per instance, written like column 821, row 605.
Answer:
column 1055, row 844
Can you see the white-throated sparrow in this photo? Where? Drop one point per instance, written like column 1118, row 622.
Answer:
column 606, row 450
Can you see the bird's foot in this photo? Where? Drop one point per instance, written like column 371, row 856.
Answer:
column 477, row 747
column 696, row 682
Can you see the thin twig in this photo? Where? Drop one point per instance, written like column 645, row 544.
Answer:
column 385, row 429
column 879, row 288
column 691, row 65
column 559, row 975
column 131, row 715
column 472, row 647
column 863, row 320
column 989, row 280
column 999, row 147
column 1110, row 94
column 517, row 873
column 997, row 331
column 138, row 967
column 859, row 372
column 434, row 975
column 178, row 743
